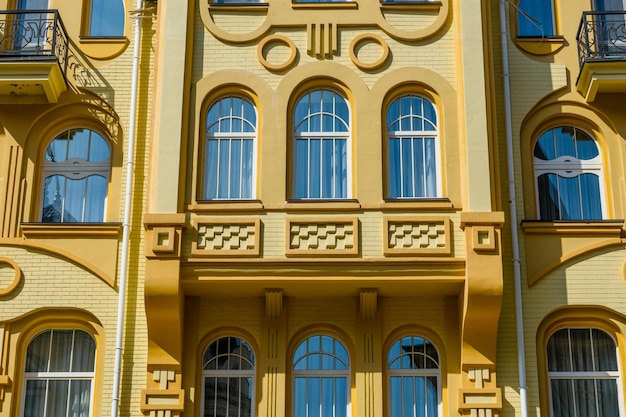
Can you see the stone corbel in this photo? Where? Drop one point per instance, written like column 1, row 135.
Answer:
column 163, row 295
column 482, row 300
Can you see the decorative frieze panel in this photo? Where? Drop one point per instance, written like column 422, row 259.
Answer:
column 315, row 237
column 417, row 236
column 480, row 400
column 227, row 238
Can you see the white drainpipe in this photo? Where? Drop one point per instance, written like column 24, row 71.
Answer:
column 519, row 319
column 121, row 303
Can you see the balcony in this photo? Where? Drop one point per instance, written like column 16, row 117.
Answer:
column 33, row 56
column 601, row 53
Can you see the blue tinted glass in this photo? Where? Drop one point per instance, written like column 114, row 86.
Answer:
column 396, row 396
column 98, row 149
column 247, row 168
column 548, row 197
column 95, row 198
column 235, row 169
column 395, row 174
column 432, row 396
column 586, row 146
column 107, row 18
column 300, row 394
column 328, row 397
column 74, row 194
column 341, row 397
column 224, row 159
column 313, row 391
column 591, row 199
column 430, row 168
column 565, row 141
column 314, row 168
column 79, row 144
column 418, row 169
column 407, row 167
column 302, row 169
column 407, row 396
column 341, row 169
column 569, row 194
column 544, row 148
column 536, row 19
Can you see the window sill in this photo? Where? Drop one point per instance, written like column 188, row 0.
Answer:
column 417, row 204
column 226, row 205
column 239, row 7
column 412, row 5
column 550, row 244
column 322, row 205
column 327, row 5
column 103, row 47
column 540, row 45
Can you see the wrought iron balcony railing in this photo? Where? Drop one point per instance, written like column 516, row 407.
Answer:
column 602, row 36
column 33, row 35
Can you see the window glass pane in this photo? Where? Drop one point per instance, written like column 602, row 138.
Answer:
column 98, row 148
column 224, row 167
column 38, row 353
column 95, row 199
column 564, row 137
column 300, row 396
column 585, row 397
column 341, row 397
column 56, row 403
column 569, row 196
column 211, row 169
column 591, row 199
column 80, row 398
column 562, row 397
column 604, row 350
column 548, row 197
column 328, row 397
column 35, row 398
column 235, row 168
column 432, row 395
column 341, row 169
column 313, row 400
column 536, row 19
column 558, row 352
column 107, row 18
column 314, row 169
column 585, row 145
column 61, row 352
column 57, row 150
column 327, row 170
column 607, row 397
column 395, row 401
column 83, row 357
column 79, row 144
column 74, row 200
column 408, row 396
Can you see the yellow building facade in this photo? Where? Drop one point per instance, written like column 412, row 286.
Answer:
column 323, row 226
column 66, row 104
column 567, row 130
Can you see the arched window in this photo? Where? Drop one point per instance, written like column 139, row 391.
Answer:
column 535, row 18
column 321, row 135
column 568, row 171
column 414, row 374
column 228, row 378
column 321, row 375
column 75, row 170
column 59, row 374
column 230, row 149
column 583, row 373
column 106, row 18
column 412, row 148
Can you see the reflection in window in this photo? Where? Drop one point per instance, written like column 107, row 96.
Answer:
column 535, row 18
column 228, row 379
column 107, row 18
column 568, row 170
column 321, row 132
column 414, row 373
column 583, row 373
column 229, row 162
column 412, row 148
column 75, row 175
column 321, row 370
column 59, row 374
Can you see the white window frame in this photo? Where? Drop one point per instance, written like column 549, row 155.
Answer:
column 412, row 373
column 319, row 373
column 69, row 376
column 309, row 135
column 75, row 169
column 588, row 375
column 569, row 167
column 230, row 136
column 413, row 134
column 226, row 373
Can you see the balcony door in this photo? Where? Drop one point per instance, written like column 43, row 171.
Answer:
column 610, row 26
column 34, row 30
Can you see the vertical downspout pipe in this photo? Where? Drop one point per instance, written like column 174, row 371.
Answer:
column 519, row 319
column 130, row 168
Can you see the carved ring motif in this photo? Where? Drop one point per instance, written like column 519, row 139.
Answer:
column 16, row 278
column 266, row 44
column 368, row 38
